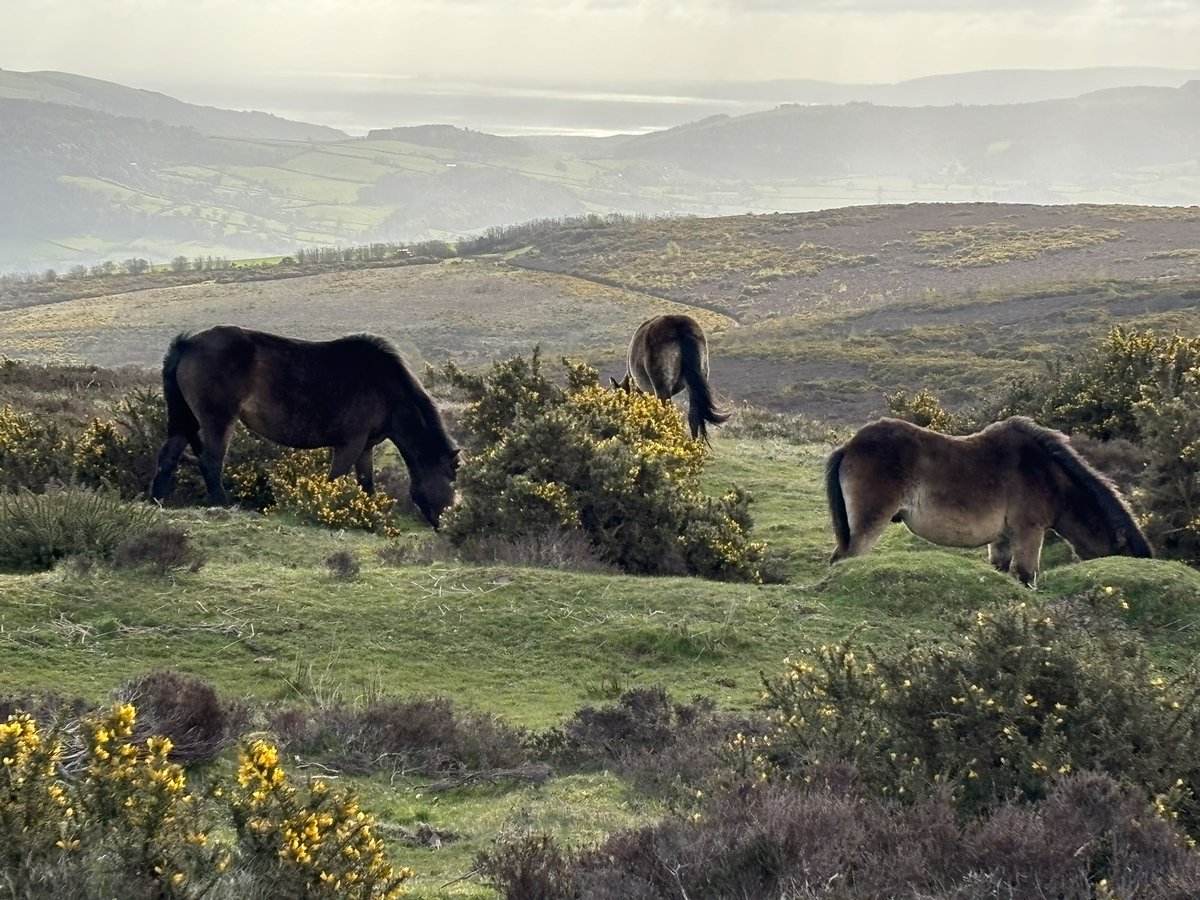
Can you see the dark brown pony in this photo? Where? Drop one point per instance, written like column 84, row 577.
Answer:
column 1002, row 486
column 349, row 394
column 667, row 354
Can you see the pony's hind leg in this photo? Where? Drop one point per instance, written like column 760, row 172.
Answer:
column 214, row 442
column 865, row 530
column 867, row 521
column 168, row 459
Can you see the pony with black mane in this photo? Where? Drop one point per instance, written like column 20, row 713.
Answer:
column 667, row 354
column 1003, row 486
column 350, row 394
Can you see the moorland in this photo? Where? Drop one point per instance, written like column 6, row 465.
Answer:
column 813, row 319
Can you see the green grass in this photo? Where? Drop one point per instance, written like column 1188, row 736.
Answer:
column 264, row 620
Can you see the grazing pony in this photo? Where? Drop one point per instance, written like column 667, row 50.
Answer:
column 349, row 394
column 667, row 354
column 1002, row 486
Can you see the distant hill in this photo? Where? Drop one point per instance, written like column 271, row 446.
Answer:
column 464, row 140
column 118, row 100
column 82, row 185
column 985, row 87
column 1093, row 136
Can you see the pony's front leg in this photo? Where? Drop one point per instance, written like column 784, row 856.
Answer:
column 347, row 456
column 364, row 470
column 1026, row 555
column 1000, row 554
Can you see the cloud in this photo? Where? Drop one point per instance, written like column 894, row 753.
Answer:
column 595, row 43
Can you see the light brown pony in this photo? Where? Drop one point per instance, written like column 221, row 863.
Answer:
column 349, row 394
column 1002, row 486
column 667, row 354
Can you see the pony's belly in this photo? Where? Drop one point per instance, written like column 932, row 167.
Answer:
column 953, row 528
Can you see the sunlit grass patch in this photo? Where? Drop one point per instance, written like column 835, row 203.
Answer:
column 996, row 242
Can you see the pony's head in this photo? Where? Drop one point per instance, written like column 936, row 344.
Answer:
column 1092, row 538
column 1097, row 521
column 432, row 487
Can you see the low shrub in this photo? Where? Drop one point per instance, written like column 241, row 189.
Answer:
column 617, row 467
column 528, row 866
column 184, row 709
column 422, row 734
column 161, row 549
column 87, row 809
column 299, row 487
column 32, row 452
column 342, row 565
column 666, row 749
column 1092, row 837
column 37, row 530
column 1020, row 696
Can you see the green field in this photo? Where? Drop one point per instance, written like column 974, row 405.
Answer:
column 266, row 622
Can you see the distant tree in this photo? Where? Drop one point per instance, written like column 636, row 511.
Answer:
column 77, row 271
column 49, row 275
column 135, row 265
column 179, row 264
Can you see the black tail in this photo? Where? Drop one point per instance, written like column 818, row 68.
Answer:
column 701, row 406
column 180, row 418
column 837, row 501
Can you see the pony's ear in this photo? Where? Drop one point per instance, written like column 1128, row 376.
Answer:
column 616, row 384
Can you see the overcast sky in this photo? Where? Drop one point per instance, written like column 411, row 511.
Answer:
column 160, row 44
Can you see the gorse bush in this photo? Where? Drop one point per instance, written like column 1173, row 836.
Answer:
column 32, row 453
column 1099, row 392
column 923, row 408
column 37, row 530
column 299, row 487
column 1021, row 696
column 315, row 841
column 1144, row 388
column 618, row 467
column 93, row 808
column 121, row 452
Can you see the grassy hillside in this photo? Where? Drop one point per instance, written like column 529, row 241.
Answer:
column 89, row 180
column 265, row 621
column 814, row 313
column 821, row 313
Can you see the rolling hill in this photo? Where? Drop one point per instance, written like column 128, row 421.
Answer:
column 820, row 313
column 85, row 181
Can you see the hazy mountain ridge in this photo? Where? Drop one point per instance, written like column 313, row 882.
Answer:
column 986, row 87
column 1050, row 140
column 85, row 185
column 118, row 100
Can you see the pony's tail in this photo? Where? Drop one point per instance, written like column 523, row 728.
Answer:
column 837, row 501
column 180, row 418
column 702, row 408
